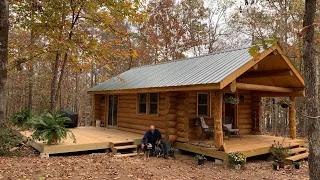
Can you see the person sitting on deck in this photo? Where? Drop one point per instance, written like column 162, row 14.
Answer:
column 153, row 136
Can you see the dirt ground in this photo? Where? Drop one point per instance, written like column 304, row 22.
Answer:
column 103, row 166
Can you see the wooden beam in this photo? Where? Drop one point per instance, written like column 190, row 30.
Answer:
column 292, row 119
column 217, row 116
column 276, row 94
column 265, row 74
column 256, row 87
column 201, row 87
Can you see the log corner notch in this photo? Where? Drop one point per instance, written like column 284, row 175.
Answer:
column 217, row 116
column 292, row 118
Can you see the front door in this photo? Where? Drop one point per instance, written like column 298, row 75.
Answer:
column 112, row 110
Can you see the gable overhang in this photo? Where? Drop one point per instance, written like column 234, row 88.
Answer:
column 196, row 87
column 271, row 72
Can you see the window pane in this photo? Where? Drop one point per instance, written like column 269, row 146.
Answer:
column 202, row 110
column 202, row 98
column 153, row 97
column 142, row 108
column 153, row 109
column 143, row 97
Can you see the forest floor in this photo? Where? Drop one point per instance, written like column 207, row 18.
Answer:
column 104, row 166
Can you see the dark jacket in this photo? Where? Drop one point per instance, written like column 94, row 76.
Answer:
column 151, row 138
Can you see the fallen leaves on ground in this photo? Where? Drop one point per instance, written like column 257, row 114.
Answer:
column 103, row 166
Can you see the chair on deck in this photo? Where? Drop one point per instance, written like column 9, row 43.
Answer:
column 205, row 128
column 231, row 131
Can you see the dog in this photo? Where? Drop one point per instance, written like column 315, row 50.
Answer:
column 171, row 150
column 158, row 151
column 146, row 150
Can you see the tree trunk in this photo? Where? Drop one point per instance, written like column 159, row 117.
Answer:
column 54, row 82
column 310, row 72
column 4, row 30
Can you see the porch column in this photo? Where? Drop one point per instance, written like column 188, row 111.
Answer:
column 217, row 116
column 292, row 119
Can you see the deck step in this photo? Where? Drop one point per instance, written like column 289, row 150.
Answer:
column 126, row 155
column 298, row 150
column 298, row 157
column 291, row 145
column 122, row 142
column 125, row 147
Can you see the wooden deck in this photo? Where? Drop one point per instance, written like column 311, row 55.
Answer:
column 88, row 138
column 250, row 145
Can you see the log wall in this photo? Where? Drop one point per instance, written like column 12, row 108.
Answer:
column 99, row 108
column 245, row 122
column 130, row 120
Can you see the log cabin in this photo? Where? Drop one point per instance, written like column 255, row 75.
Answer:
column 172, row 95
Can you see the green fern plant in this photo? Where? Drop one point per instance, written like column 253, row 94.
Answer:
column 50, row 128
column 20, row 118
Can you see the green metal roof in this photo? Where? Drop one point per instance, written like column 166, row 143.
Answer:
column 206, row 69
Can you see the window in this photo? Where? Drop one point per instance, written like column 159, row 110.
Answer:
column 203, row 104
column 153, row 103
column 142, row 108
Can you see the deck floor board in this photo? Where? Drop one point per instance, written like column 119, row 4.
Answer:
column 87, row 138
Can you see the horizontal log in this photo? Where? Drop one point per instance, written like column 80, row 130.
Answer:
column 172, row 124
column 182, row 134
column 245, row 121
column 172, row 93
column 138, row 127
column 265, row 74
column 133, row 130
column 182, row 120
column 181, row 107
column 171, row 117
column 193, row 93
column 171, row 99
column 157, row 124
column 182, row 127
column 141, row 116
column 162, row 112
column 245, row 126
column 256, row 87
column 162, row 106
column 192, row 111
column 172, row 138
column 180, row 113
column 126, row 105
column 171, row 131
column 192, row 106
column 171, row 111
column 245, row 131
column 127, row 110
column 244, row 116
column 190, row 100
column 245, row 111
column 128, row 101
column 299, row 93
column 128, row 97
column 172, row 105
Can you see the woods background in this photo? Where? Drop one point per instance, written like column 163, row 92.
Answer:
column 56, row 56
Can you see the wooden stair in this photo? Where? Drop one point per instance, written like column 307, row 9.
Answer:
column 124, row 148
column 297, row 153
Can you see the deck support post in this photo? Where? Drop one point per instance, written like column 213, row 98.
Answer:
column 292, row 119
column 217, row 116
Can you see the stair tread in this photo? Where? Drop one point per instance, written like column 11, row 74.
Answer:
column 125, row 147
column 122, row 142
column 288, row 145
column 297, row 150
column 298, row 157
column 125, row 155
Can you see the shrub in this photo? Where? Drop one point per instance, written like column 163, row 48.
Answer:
column 279, row 152
column 237, row 158
column 20, row 118
column 10, row 139
column 50, row 128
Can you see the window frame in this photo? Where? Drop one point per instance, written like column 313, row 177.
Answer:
column 139, row 102
column 149, row 104
column 208, row 104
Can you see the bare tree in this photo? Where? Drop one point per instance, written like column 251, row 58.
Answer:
column 312, row 93
column 4, row 30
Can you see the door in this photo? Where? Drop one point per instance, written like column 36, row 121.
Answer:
column 112, row 110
